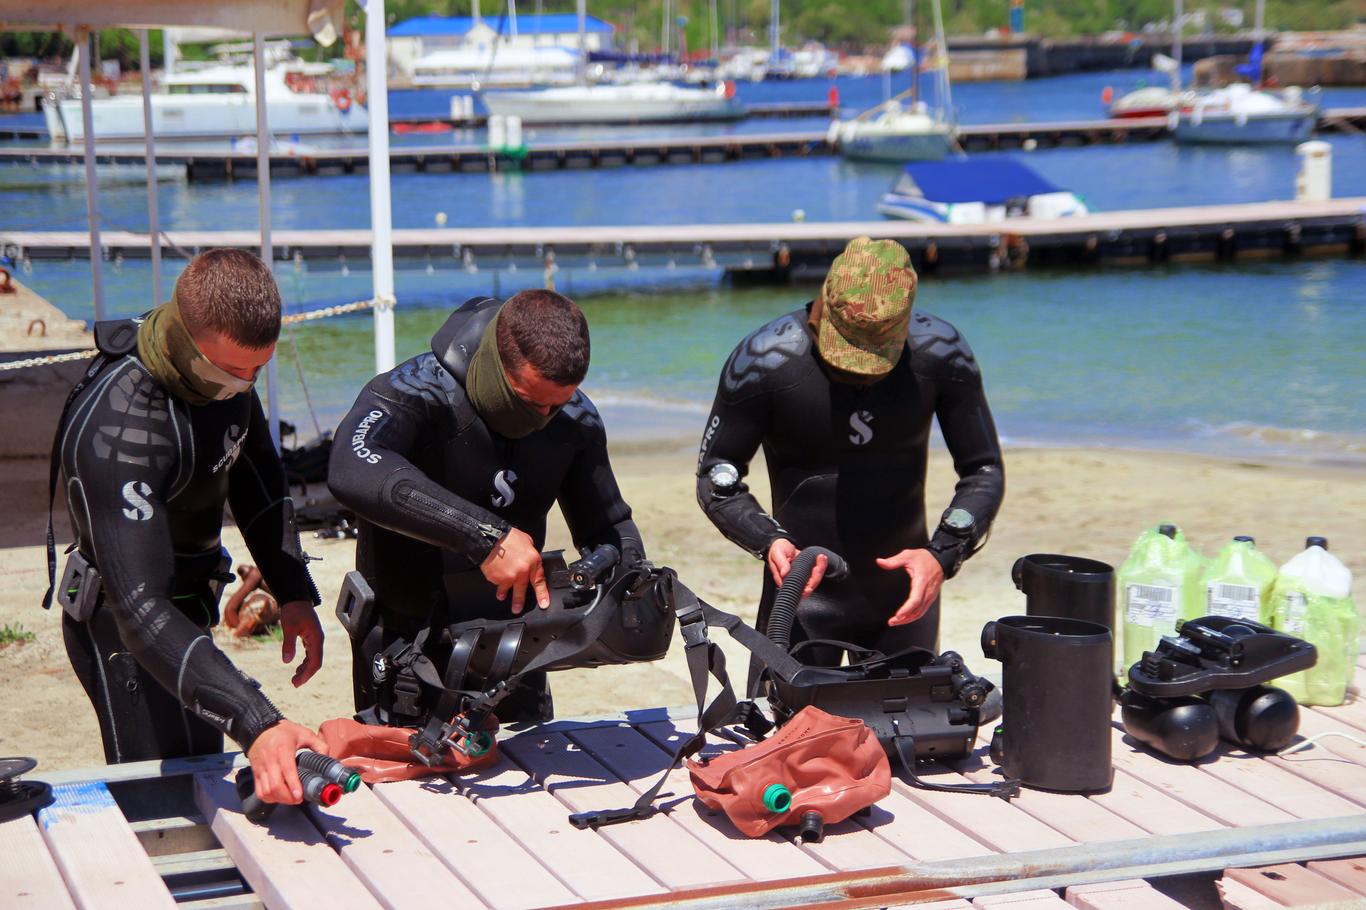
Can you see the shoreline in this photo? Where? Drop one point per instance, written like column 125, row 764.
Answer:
column 1085, row 502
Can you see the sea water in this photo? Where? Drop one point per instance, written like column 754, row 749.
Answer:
column 1252, row 358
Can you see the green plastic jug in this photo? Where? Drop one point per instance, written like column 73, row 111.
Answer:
column 1238, row 583
column 1312, row 598
column 1158, row 584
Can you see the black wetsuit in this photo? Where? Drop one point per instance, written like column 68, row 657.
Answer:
column 146, row 478
column 435, row 490
column 847, row 464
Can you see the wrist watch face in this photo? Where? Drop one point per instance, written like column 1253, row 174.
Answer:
column 959, row 520
column 724, row 476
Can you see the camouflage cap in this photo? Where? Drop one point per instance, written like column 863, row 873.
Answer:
column 865, row 307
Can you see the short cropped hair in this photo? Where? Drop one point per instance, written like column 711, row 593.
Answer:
column 232, row 293
column 546, row 330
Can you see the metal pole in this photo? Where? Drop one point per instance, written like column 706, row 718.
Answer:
column 381, row 209
column 1177, row 15
column 153, row 221
column 512, row 18
column 715, row 33
column 583, row 38
column 92, row 204
column 941, row 48
column 258, row 49
column 1259, row 20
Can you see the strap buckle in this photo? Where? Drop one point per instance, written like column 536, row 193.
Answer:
column 600, row 817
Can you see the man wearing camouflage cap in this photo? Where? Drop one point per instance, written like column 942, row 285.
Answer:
column 841, row 394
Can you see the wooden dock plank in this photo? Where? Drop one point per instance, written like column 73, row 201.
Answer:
column 1349, row 873
column 29, row 877
column 1080, row 819
column 583, row 860
column 476, row 847
column 909, row 828
column 1130, row 894
column 638, row 759
column 1278, row 786
column 1151, row 809
column 1195, row 788
column 1234, row 895
column 286, row 861
column 100, row 857
column 659, row 844
column 1292, row 885
column 384, row 854
column 1001, row 826
column 1333, row 762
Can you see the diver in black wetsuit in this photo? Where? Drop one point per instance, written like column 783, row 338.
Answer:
column 162, row 430
column 452, row 461
column 841, row 395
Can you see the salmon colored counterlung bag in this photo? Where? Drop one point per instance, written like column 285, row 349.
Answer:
column 818, row 769
column 381, row 754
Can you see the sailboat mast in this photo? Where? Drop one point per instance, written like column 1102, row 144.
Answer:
column 583, row 41
column 773, row 31
column 941, row 49
column 1177, row 15
column 915, row 53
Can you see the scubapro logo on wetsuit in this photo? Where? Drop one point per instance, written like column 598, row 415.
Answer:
column 231, row 447
column 358, row 438
column 858, row 422
column 502, row 482
column 135, row 493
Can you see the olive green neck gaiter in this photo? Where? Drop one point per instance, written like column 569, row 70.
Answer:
column 168, row 350
column 486, row 384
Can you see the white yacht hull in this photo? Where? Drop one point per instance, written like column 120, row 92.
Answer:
column 1250, row 129
column 207, row 116
column 604, row 104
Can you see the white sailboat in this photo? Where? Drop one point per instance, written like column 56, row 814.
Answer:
column 904, row 128
column 626, row 103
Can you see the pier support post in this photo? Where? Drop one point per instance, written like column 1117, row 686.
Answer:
column 381, row 209
column 92, row 204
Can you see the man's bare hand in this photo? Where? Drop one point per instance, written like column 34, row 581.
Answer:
column 927, row 577
column 514, row 563
column 272, row 761
column 299, row 620
column 780, row 555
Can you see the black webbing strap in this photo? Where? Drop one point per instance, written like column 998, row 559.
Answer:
column 704, row 658
column 55, row 468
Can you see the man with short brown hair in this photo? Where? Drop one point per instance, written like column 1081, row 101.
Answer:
column 162, row 431
column 841, row 395
column 452, row 461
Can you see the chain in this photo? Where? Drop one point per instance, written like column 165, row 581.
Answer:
column 293, row 319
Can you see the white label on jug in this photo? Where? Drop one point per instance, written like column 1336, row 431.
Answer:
column 1151, row 605
column 1295, row 610
column 1236, row 601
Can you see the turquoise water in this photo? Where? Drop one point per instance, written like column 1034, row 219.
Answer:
column 1254, row 359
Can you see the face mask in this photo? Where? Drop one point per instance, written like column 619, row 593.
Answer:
column 486, row 384
column 171, row 355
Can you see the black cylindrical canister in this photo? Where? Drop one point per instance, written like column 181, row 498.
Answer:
column 1069, row 586
column 1057, row 702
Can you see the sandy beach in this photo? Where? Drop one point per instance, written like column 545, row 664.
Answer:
column 1087, row 502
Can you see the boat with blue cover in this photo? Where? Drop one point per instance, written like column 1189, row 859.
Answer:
column 976, row 191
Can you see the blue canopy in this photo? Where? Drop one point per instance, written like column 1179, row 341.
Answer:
column 989, row 180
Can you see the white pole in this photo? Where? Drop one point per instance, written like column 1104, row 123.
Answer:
column 512, row 18
column 92, row 205
column 582, row 10
column 1177, row 15
column 381, row 210
column 258, row 49
column 1259, row 20
column 941, row 48
column 476, row 18
column 774, row 28
column 153, row 221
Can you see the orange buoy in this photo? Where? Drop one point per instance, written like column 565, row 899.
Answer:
column 730, row 88
column 1107, row 95
column 832, row 98
column 342, row 99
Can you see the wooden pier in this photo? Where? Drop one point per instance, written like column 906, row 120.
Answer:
column 229, row 164
column 171, row 833
column 793, row 251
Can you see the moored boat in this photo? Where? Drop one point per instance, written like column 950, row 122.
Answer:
column 976, row 191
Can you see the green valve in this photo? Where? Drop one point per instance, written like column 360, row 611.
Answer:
column 476, row 744
column 352, row 783
column 777, row 798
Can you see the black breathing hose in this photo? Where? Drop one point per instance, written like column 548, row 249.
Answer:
column 784, row 612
